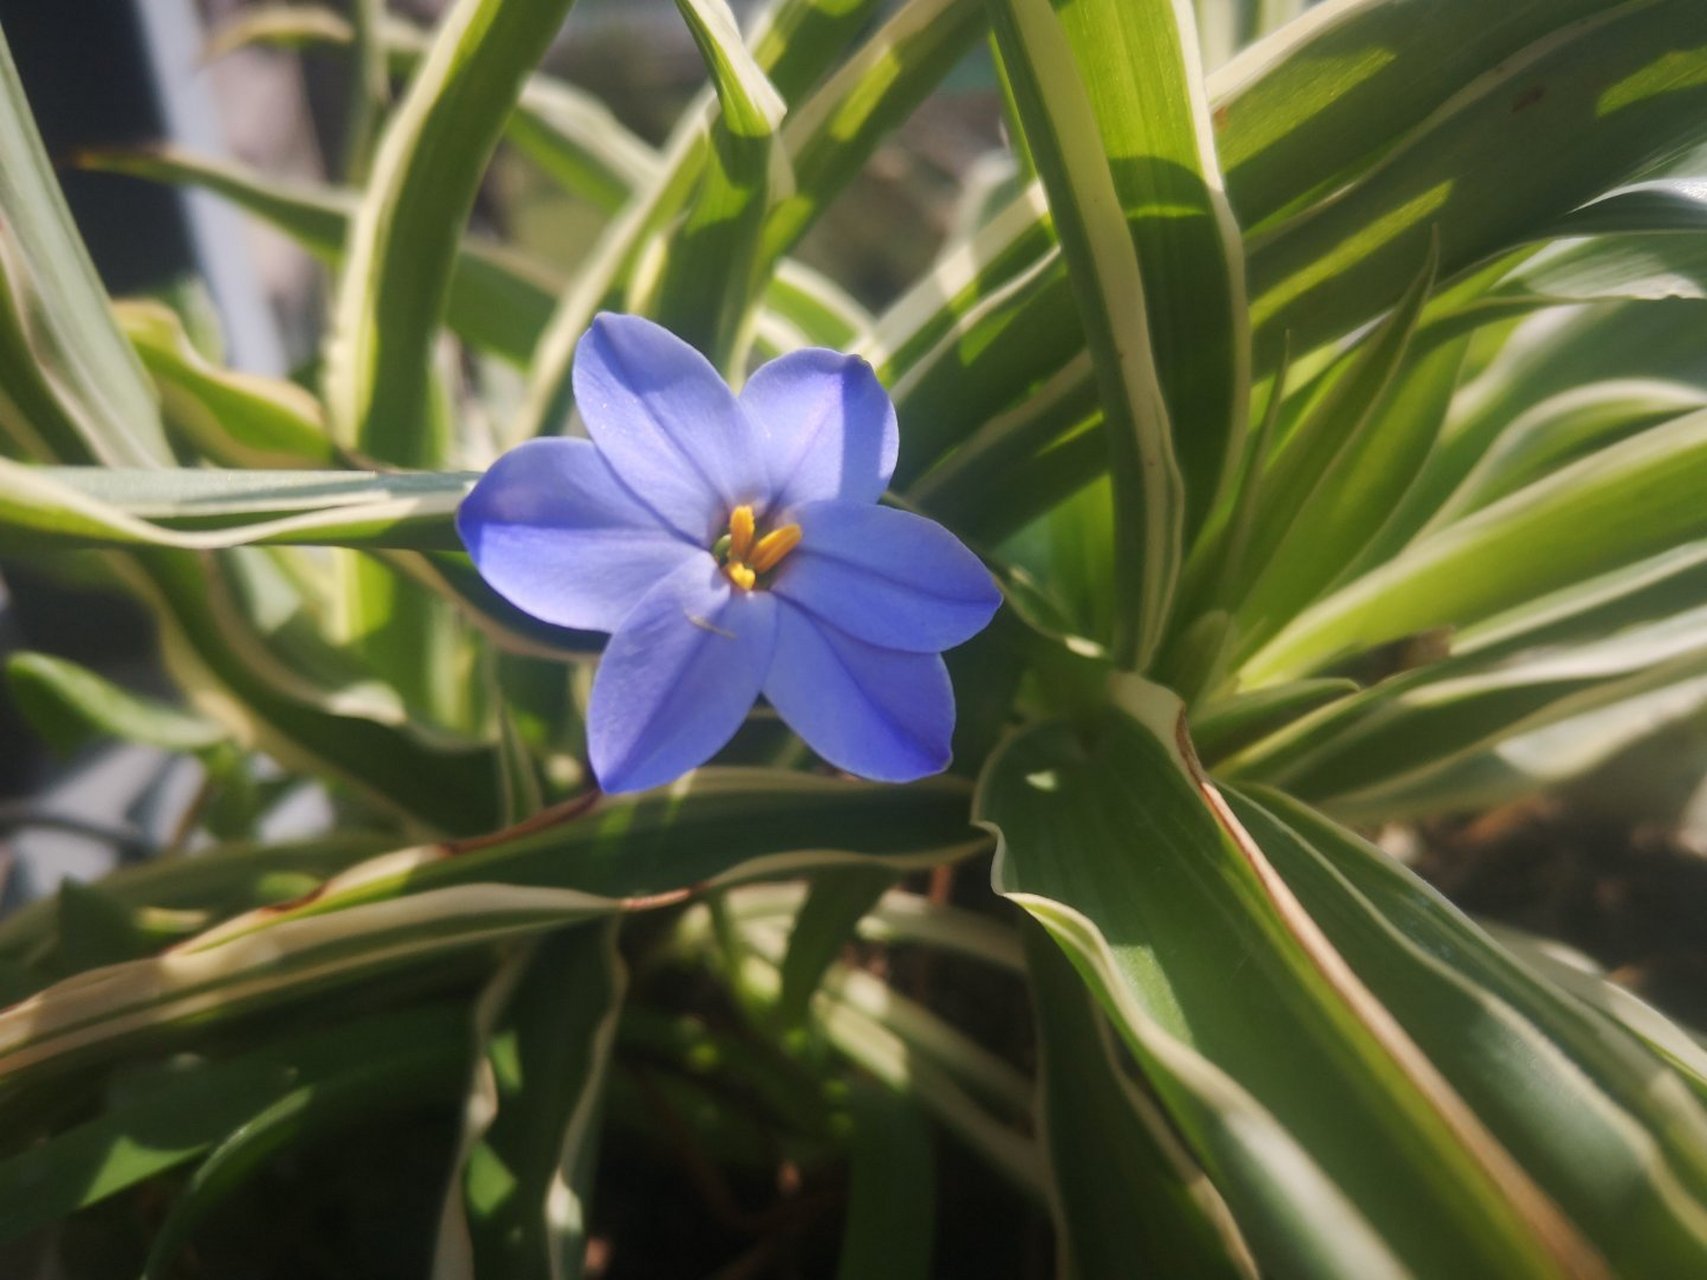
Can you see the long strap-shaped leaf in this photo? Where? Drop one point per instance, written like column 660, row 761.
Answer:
column 401, row 1073
column 567, row 132
column 711, row 274
column 1337, row 1144
column 1552, row 1080
column 500, row 301
column 1342, row 466
column 419, row 904
column 231, row 417
column 833, row 132
column 1141, row 61
column 70, row 387
column 1303, row 115
column 792, row 43
column 517, row 1203
column 1634, row 499
column 403, row 243
column 173, row 1117
column 1061, row 130
column 221, row 881
column 1128, row 1198
column 1585, row 106
column 215, row 653
column 1428, row 719
column 205, row 510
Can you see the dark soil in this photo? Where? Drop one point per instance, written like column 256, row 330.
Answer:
column 1633, row 899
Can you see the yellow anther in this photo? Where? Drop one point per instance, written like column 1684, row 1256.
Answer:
column 740, row 575
column 773, row 547
column 740, row 532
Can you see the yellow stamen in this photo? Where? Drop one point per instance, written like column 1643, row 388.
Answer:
column 741, row 527
column 773, row 547
column 740, row 575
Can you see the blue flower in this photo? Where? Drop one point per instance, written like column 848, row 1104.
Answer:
column 733, row 546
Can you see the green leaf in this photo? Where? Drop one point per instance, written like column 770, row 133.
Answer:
column 569, row 134
column 1647, row 266
column 1598, row 1121
column 1575, row 974
column 1062, row 133
column 403, row 243
column 898, row 917
column 1632, row 749
column 1336, row 473
column 169, row 1125
column 711, row 268
column 751, row 106
column 805, row 309
column 1129, row 1199
column 74, row 391
column 1067, row 553
column 830, row 135
column 835, row 903
column 94, row 929
column 903, row 1046
column 1425, row 719
column 68, row 704
column 924, row 1038
column 217, row 882
column 498, row 300
column 1651, row 590
column 220, row 658
column 1629, row 500
column 1226, row 726
column 891, row 1215
column 1352, row 107
column 369, row 88
column 588, row 860
column 1325, row 98
column 579, row 143
column 1667, row 204
column 1584, row 106
column 523, row 796
column 235, row 419
column 183, row 1108
column 792, row 44
column 1156, row 894
column 1141, row 64
column 1562, row 429
column 392, row 1077
column 996, row 453
column 518, row 1202
column 1000, row 338
column 45, row 508
column 1544, row 359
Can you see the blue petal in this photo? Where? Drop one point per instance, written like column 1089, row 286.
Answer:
column 887, row 577
column 667, row 424
column 555, row 533
column 880, row 713
column 678, row 678
column 827, row 425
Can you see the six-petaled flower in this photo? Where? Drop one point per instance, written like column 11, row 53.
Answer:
column 733, row 546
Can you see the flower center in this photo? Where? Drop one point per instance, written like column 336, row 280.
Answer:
column 744, row 555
